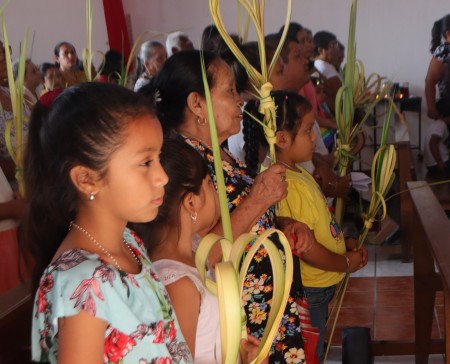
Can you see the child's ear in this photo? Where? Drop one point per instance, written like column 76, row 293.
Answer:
column 85, row 180
column 283, row 139
column 190, row 203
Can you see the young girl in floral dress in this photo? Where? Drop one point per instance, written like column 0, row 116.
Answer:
column 92, row 165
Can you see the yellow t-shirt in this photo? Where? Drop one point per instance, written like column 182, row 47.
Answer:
column 306, row 203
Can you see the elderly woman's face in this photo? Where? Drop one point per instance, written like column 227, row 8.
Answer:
column 226, row 101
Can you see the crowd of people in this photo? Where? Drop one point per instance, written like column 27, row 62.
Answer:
column 120, row 187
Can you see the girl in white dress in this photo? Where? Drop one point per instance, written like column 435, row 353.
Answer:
column 190, row 209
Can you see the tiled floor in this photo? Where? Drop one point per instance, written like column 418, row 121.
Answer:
column 381, row 297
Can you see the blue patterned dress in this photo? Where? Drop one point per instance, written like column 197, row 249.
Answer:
column 142, row 327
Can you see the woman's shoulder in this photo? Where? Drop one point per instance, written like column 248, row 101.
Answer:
column 442, row 53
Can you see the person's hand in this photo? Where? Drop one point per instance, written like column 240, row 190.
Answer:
column 270, row 186
column 331, row 184
column 352, row 245
column 355, row 261
column 249, row 350
column 299, row 235
column 324, row 177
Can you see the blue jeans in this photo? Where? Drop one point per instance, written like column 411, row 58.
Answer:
column 318, row 300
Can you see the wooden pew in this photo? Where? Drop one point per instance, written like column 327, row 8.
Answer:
column 431, row 246
column 16, row 308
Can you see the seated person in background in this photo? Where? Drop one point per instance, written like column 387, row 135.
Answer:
column 152, row 56
column 436, row 153
column 67, row 59
column 176, row 42
column 32, row 79
column 290, row 73
column 325, row 121
column 112, row 67
column 326, row 54
column 339, row 59
column 50, row 77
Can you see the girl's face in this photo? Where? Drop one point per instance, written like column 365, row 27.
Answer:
column 306, row 46
column 209, row 215
column 304, row 142
column 133, row 188
column 52, row 79
column 226, row 101
column 331, row 52
column 67, row 57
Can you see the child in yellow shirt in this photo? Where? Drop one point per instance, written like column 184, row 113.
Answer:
column 325, row 264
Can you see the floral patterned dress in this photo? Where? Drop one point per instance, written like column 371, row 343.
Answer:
column 442, row 54
column 257, row 295
column 142, row 327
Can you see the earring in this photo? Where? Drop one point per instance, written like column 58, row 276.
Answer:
column 194, row 217
column 200, row 122
column 91, row 196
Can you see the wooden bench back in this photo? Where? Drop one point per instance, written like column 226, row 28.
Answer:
column 16, row 308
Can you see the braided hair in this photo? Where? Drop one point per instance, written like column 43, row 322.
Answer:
column 291, row 108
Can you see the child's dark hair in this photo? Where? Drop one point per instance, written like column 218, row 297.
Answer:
column 186, row 170
column 84, row 125
column 291, row 109
column 113, row 65
column 438, row 31
column 44, row 67
column 180, row 75
column 323, row 39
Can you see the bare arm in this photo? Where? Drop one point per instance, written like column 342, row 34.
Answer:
column 12, row 209
column 8, row 167
column 320, row 257
column 434, row 74
column 81, row 339
column 187, row 310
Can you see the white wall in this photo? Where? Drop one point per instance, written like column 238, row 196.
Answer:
column 393, row 35
column 52, row 21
